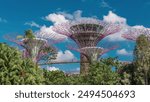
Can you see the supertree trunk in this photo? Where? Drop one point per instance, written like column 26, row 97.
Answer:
column 84, row 64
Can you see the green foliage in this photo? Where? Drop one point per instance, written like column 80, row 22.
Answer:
column 76, row 80
column 29, row 34
column 142, row 60
column 101, row 73
column 126, row 74
column 137, row 73
column 15, row 70
column 51, row 53
column 54, row 77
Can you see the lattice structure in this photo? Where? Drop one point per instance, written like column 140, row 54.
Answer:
column 134, row 33
column 36, row 48
column 51, row 36
column 33, row 47
column 92, row 53
column 86, row 32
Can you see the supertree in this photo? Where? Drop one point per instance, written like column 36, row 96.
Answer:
column 134, row 33
column 91, row 53
column 86, row 32
column 36, row 48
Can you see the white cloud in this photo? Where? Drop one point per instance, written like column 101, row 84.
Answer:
column 32, row 24
column 114, row 18
column 76, row 15
column 66, row 15
column 139, row 27
column 65, row 56
column 124, row 52
column 56, row 18
column 52, row 68
column 47, row 32
column 3, row 20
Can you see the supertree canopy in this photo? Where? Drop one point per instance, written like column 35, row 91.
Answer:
column 51, row 36
column 86, row 32
column 36, row 48
column 91, row 54
column 134, row 33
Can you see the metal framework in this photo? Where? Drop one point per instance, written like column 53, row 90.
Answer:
column 34, row 48
column 51, row 36
column 37, row 49
column 86, row 32
column 92, row 53
column 134, row 33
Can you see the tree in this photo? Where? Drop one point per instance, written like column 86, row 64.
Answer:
column 37, row 49
column 16, row 70
column 101, row 73
column 54, row 77
column 142, row 60
column 126, row 73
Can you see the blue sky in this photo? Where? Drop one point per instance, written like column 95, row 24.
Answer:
column 18, row 15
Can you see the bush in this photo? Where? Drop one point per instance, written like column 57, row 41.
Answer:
column 16, row 70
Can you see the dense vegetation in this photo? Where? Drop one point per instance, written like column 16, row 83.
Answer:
column 17, row 70
column 138, row 72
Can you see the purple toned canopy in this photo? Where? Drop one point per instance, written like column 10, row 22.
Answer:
column 86, row 32
column 134, row 33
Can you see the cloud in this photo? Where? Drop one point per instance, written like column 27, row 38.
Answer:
column 123, row 52
column 104, row 4
column 3, row 20
column 65, row 56
column 32, row 24
column 114, row 18
column 66, row 15
column 76, row 15
column 139, row 27
column 52, row 68
column 56, row 18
